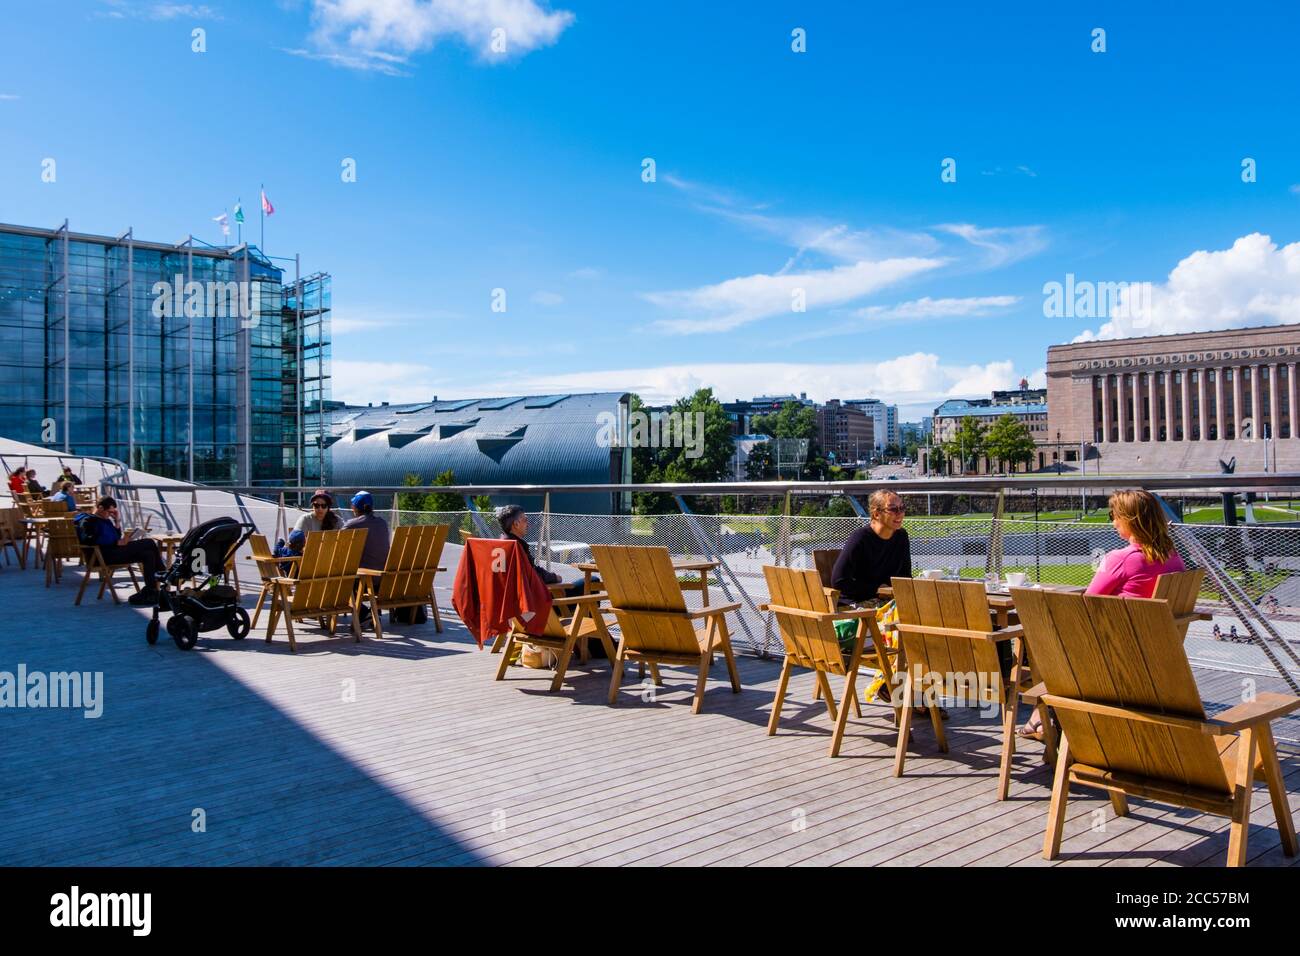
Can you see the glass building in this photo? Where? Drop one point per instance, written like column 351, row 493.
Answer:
column 189, row 361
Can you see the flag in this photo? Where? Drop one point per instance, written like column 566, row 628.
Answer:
column 223, row 222
column 266, row 204
column 239, row 212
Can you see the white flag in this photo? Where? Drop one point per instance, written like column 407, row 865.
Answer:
column 224, row 222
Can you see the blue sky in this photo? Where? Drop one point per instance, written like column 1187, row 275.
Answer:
column 776, row 172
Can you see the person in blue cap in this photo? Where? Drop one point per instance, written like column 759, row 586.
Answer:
column 374, row 553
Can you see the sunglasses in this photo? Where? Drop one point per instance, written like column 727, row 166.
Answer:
column 896, row 509
column 318, row 506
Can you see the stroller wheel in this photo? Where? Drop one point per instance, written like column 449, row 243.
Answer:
column 183, row 631
column 151, row 631
column 239, row 625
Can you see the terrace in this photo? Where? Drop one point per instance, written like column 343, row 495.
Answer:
column 405, row 751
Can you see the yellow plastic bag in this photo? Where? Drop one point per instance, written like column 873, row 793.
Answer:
column 886, row 620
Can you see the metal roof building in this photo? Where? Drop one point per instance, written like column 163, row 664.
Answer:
column 522, row 439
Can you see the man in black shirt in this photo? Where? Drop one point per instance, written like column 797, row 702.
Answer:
column 875, row 553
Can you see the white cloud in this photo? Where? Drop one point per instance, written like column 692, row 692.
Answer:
column 10, row 96
column 1251, row 284
column 1000, row 245
column 928, row 308
column 586, row 272
column 736, row 302
column 405, row 27
column 358, row 382
column 862, row 262
column 362, row 319
column 123, row 9
column 1037, row 378
column 542, row 297
column 366, row 61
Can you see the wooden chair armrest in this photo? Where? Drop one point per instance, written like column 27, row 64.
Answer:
column 581, row 598
column 557, row 589
column 271, row 559
column 370, row 572
column 1133, row 714
column 1264, row 709
column 1037, row 692
column 1005, row 634
column 712, row 610
column 279, row 580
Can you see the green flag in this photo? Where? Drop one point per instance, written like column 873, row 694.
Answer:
column 239, row 213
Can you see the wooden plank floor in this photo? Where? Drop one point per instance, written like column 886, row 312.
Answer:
column 405, row 751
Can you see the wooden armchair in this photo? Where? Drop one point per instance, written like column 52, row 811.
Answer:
column 1134, row 726
column 947, row 636
column 407, row 577
column 805, row 614
column 96, row 564
column 647, row 601
column 325, row 585
column 61, row 545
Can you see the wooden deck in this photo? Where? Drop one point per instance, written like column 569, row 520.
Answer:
column 404, row 751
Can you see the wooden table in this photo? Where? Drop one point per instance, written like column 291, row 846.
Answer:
column 680, row 565
column 168, row 540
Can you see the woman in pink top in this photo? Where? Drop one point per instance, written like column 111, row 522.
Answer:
column 1132, row 571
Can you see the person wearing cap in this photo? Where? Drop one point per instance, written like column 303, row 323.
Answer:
column 374, row 553
column 321, row 517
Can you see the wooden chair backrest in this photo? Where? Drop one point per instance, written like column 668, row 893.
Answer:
column 258, row 544
column 413, row 557
column 957, row 606
column 85, row 496
column 809, row 642
column 1180, row 589
column 646, row 599
column 1123, row 652
column 327, row 574
column 824, row 561
column 61, row 540
column 12, row 521
column 34, row 508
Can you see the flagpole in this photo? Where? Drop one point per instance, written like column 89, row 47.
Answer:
column 261, row 215
column 239, row 226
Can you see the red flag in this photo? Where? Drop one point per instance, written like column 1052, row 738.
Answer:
column 266, row 204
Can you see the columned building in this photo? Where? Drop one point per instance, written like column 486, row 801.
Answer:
column 1180, row 403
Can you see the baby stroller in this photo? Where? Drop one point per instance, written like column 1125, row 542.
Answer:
column 204, row 605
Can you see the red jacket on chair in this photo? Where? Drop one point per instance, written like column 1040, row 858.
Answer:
column 494, row 585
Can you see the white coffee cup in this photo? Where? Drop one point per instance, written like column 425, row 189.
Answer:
column 932, row 574
column 1016, row 579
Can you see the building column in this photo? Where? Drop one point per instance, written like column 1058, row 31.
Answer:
column 1218, row 402
column 1236, row 402
column 1151, row 402
column 1274, row 430
column 1290, row 400
column 1105, row 408
column 1200, row 396
column 1256, row 405
column 1136, row 414
column 1186, row 416
column 1169, row 408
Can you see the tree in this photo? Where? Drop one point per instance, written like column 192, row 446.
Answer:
column 759, row 465
column 966, row 444
column 442, row 500
column 696, row 445
column 1009, row 440
column 791, row 420
column 412, row 500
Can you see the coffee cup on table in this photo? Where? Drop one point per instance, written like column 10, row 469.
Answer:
column 1016, row 579
column 932, row 574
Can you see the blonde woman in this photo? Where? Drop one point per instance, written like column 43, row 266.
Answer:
column 1131, row 571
